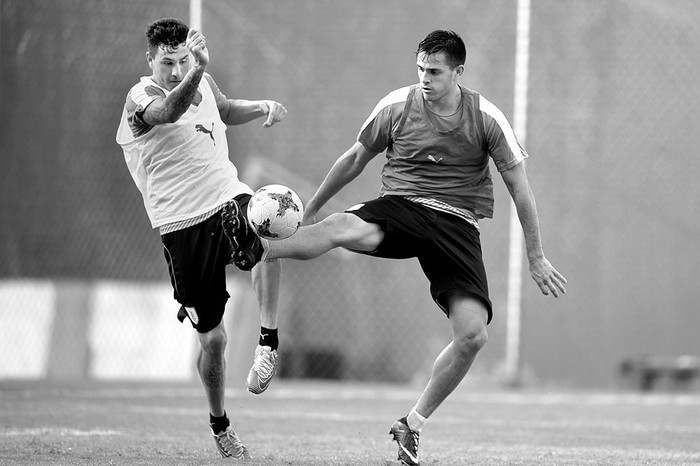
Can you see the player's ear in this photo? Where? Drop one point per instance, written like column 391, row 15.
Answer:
column 149, row 59
column 459, row 70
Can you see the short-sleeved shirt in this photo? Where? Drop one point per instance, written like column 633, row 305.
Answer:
column 450, row 167
column 182, row 169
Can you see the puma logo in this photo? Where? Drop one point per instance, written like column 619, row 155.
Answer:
column 202, row 129
column 433, row 159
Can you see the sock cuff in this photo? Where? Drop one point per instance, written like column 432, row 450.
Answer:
column 415, row 420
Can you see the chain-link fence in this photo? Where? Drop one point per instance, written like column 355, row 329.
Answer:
column 612, row 88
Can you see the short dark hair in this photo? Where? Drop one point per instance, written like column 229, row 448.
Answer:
column 447, row 42
column 167, row 33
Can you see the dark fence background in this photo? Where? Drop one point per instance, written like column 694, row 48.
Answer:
column 611, row 131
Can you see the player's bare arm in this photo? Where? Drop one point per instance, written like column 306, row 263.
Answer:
column 194, row 57
column 548, row 279
column 348, row 166
column 241, row 111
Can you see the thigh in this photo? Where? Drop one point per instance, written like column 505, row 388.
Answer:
column 454, row 263
column 405, row 225
column 469, row 315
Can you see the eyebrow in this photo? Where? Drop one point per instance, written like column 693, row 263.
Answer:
column 427, row 67
column 172, row 58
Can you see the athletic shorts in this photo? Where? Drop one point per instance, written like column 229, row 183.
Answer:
column 197, row 257
column 447, row 247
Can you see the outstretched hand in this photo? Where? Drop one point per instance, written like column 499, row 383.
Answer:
column 275, row 112
column 197, row 44
column 547, row 277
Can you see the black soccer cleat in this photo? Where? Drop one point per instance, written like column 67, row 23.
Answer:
column 245, row 245
column 408, row 442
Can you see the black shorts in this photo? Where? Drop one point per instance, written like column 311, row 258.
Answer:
column 447, row 247
column 197, row 257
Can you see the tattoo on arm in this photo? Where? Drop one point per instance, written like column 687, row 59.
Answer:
column 177, row 103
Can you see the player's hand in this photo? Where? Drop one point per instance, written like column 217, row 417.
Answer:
column 547, row 277
column 275, row 112
column 197, row 44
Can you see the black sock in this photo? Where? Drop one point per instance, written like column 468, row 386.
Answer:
column 219, row 424
column 268, row 337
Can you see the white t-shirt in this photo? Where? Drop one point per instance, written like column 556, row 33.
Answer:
column 182, row 169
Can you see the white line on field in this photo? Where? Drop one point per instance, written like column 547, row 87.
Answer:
column 60, row 432
column 341, row 391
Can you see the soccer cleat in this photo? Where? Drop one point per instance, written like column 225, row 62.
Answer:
column 264, row 368
column 245, row 244
column 408, row 442
column 229, row 445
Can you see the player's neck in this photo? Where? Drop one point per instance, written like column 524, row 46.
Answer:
column 447, row 105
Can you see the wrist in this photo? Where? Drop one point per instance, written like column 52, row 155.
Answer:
column 198, row 68
column 535, row 256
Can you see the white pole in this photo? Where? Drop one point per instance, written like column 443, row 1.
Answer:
column 515, row 255
column 196, row 14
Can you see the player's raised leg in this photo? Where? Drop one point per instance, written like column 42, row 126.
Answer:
column 337, row 230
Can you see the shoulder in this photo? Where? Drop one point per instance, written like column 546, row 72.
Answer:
column 207, row 80
column 208, row 84
column 395, row 98
column 145, row 91
column 491, row 111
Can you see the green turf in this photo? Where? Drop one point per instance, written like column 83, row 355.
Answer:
column 325, row 423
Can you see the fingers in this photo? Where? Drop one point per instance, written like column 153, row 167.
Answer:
column 553, row 285
column 549, row 281
column 196, row 41
column 275, row 113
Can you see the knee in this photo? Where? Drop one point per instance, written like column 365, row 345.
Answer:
column 472, row 340
column 350, row 231
column 213, row 341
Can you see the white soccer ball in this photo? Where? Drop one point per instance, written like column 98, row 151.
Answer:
column 275, row 212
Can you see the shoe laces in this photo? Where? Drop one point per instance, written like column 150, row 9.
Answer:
column 415, row 437
column 409, row 437
column 264, row 363
column 230, row 443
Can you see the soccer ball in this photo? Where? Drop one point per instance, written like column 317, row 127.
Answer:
column 275, row 212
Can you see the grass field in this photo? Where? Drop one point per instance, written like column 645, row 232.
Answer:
column 333, row 423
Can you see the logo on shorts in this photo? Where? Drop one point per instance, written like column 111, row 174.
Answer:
column 192, row 314
column 433, row 159
column 355, row 207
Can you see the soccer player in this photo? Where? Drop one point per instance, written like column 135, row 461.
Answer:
column 173, row 134
column 439, row 137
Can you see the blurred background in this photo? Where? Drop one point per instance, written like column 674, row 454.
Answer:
column 613, row 87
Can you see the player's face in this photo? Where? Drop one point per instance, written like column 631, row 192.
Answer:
column 170, row 65
column 435, row 76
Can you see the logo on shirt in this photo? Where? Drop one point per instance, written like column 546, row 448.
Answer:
column 202, row 129
column 433, row 159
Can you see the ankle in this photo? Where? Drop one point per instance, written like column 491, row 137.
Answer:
column 268, row 337
column 415, row 421
column 219, row 424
